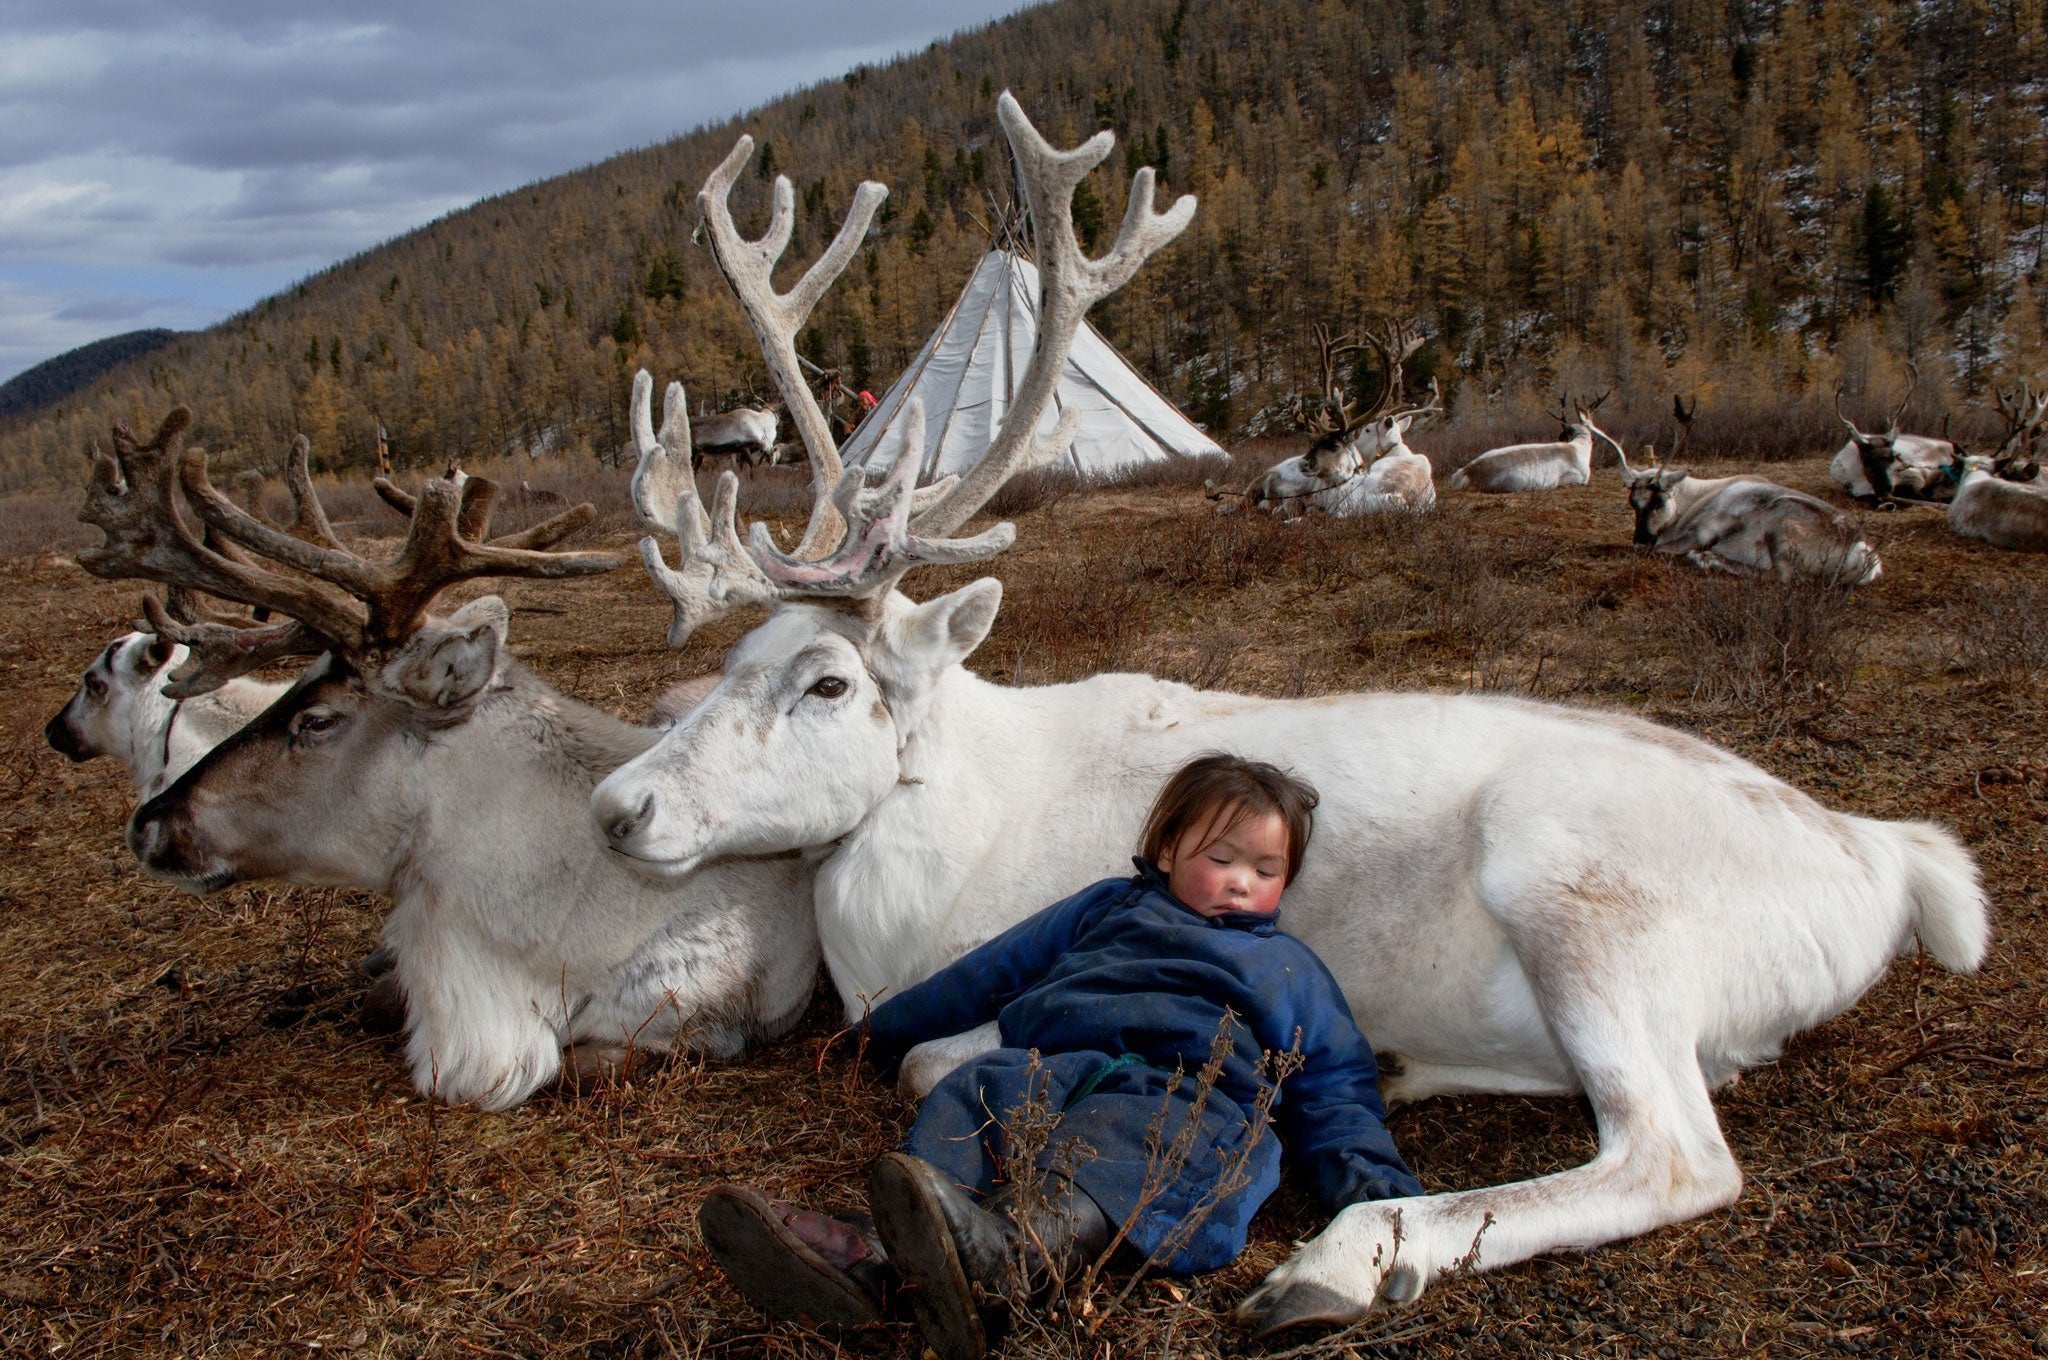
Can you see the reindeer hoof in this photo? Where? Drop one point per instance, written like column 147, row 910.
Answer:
column 378, row 961
column 383, row 1006
column 588, row 1066
column 1278, row 1306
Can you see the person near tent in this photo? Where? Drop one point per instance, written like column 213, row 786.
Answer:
column 1106, row 1001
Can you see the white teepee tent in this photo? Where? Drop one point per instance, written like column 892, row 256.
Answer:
column 970, row 369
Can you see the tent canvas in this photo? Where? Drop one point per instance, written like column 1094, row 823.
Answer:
column 969, row 370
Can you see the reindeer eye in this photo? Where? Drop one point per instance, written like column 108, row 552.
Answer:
column 831, row 687
column 96, row 687
column 315, row 722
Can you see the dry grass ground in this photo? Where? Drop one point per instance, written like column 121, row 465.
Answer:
column 201, row 1155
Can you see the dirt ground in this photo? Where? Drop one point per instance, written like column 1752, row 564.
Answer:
column 201, row 1153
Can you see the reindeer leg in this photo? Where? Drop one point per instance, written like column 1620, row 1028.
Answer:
column 1662, row 1158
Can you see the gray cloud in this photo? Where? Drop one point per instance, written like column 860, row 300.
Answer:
column 133, row 312
column 226, row 137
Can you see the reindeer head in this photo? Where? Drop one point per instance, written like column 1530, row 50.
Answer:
column 1649, row 488
column 101, row 716
column 1878, row 452
column 815, row 719
column 1574, row 416
column 387, row 666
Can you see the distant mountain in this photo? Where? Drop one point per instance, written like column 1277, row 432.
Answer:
column 52, row 380
column 1750, row 200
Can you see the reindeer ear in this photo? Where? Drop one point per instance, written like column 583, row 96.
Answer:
column 158, row 653
column 940, row 632
column 450, row 661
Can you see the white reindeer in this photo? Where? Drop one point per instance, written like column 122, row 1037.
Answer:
column 1887, row 469
column 1497, row 883
column 1538, row 467
column 415, row 758
column 1342, row 473
column 1397, row 479
column 2022, row 412
column 1744, row 525
column 747, row 434
column 2005, row 511
column 120, row 710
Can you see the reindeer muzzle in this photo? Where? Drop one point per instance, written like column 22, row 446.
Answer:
column 161, row 837
column 62, row 739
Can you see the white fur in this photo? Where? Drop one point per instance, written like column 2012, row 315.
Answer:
column 1916, row 471
column 2002, row 513
column 1751, row 526
column 748, row 432
column 126, row 716
column 516, row 930
column 1375, row 475
column 1514, row 896
column 1531, row 467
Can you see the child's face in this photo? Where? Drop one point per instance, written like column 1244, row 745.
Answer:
column 1244, row 869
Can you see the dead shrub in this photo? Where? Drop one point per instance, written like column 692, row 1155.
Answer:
column 1211, row 667
column 1215, row 551
column 1048, row 486
column 1077, row 621
column 1438, row 583
column 1762, row 645
column 1034, row 1153
column 2000, row 632
column 39, row 522
column 1038, row 489
column 1175, row 472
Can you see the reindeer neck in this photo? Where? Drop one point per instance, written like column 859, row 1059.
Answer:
column 909, row 887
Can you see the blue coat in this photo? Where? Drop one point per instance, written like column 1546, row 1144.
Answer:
column 1123, row 968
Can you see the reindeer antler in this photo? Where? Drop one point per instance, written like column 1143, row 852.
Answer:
column 776, row 318
column 717, row 575
column 1070, row 283
column 1685, row 418
column 1621, row 455
column 332, row 599
column 1395, row 341
column 543, row 535
column 859, row 542
column 132, row 501
column 1331, row 414
column 1912, row 382
column 1433, row 407
column 2022, row 412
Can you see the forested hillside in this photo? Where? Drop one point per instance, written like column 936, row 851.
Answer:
column 1751, row 198
column 52, row 380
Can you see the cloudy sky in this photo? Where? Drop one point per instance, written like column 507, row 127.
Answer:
column 169, row 165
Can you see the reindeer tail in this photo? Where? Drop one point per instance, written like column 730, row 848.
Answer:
column 1950, row 912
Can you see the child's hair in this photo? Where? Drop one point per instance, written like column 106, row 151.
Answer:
column 1215, row 782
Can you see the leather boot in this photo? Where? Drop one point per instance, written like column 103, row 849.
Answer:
column 962, row 1261
column 1056, row 1240
column 795, row 1264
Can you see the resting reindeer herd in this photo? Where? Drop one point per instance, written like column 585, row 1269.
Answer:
column 847, row 790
